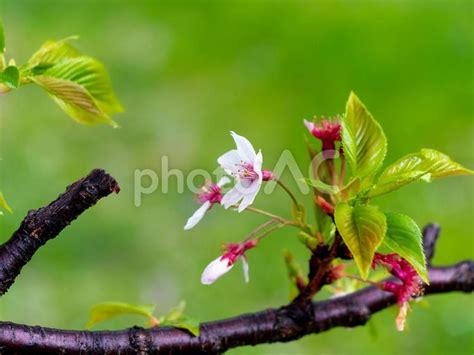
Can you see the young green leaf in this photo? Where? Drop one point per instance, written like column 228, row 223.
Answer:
column 404, row 238
column 424, row 165
column 363, row 140
column 51, row 53
column 10, row 77
column 321, row 186
column 187, row 323
column 362, row 228
column 4, row 204
column 107, row 310
column 351, row 190
column 176, row 318
column 296, row 274
column 82, row 88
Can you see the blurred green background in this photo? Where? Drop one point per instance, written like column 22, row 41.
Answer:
column 187, row 73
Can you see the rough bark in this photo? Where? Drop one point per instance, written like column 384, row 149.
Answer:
column 46, row 223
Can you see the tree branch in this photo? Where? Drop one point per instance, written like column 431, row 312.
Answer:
column 46, row 223
column 430, row 237
column 273, row 325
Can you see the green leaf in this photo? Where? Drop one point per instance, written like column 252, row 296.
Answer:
column 51, row 53
column 10, row 77
column 176, row 318
column 176, row 312
column 321, row 186
column 187, row 323
column 425, row 165
column 350, row 190
column 82, row 88
column 363, row 140
column 404, row 238
column 4, row 204
column 107, row 310
column 362, row 228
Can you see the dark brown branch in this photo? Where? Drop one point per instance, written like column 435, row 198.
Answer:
column 430, row 237
column 46, row 223
column 272, row 325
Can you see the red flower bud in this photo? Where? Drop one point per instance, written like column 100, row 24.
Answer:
column 325, row 205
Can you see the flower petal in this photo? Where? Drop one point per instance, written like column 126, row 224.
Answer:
column 214, row 270
column 230, row 161
column 250, row 197
column 231, row 197
column 198, row 215
column 245, row 266
column 244, row 147
column 223, row 181
column 309, row 125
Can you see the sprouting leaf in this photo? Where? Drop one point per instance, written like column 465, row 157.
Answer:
column 51, row 53
column 363, row 140
column 10, row 77
column 425, row 165
column 2, row 38
column 350, row 190
column 321, row 186
column 176, row 318
column 187, row 323
column 176, row 312
column 4, row 204
column 107, row 310
column 299, row 213
column 82, row 88
column 404, row 238
column 307, row 240
column 295, row 274
column 362, row 228
column 442, row 165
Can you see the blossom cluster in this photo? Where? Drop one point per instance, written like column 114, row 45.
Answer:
column 410, row 286
column 244, row 166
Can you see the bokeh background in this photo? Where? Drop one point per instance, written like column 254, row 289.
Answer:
column 187, row 73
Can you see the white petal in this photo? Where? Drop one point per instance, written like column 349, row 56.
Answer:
column 230, row 161
column 250, row 197
column 309, row 125
column 231, row 197
column 245, row 266
column 244, row 147
column 198, row 215
column 223, row 181
column 214, row 270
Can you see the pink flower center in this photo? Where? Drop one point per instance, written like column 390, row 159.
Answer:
column 245, row 171
column 236, row 250
column 410, row 286
column 210, row 192
column 328, row 132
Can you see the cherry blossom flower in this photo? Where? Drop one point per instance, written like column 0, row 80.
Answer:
column 210, row 195
column 410, row 286
column 245, row 165
column 328, row 131
column 225, row 263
